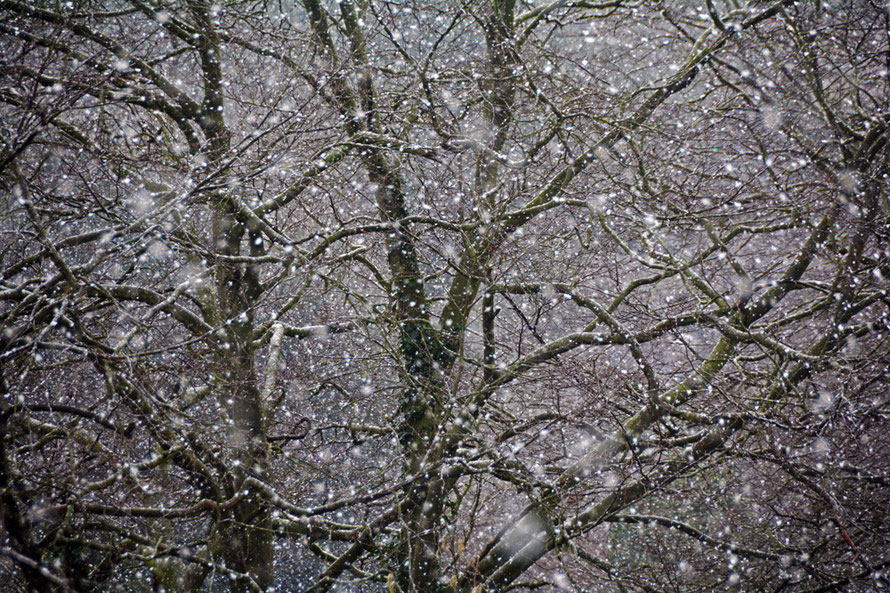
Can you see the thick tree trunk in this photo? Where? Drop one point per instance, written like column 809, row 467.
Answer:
column 245, row 529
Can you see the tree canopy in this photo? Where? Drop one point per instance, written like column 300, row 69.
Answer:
column 432, row 296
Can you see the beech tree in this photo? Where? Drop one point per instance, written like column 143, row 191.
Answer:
column 475, row 295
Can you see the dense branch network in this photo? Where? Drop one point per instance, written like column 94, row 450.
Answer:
column 462, row 296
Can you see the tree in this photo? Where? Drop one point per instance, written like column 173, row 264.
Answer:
column 446, row 296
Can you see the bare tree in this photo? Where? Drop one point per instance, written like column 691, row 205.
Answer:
column 447, row 296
